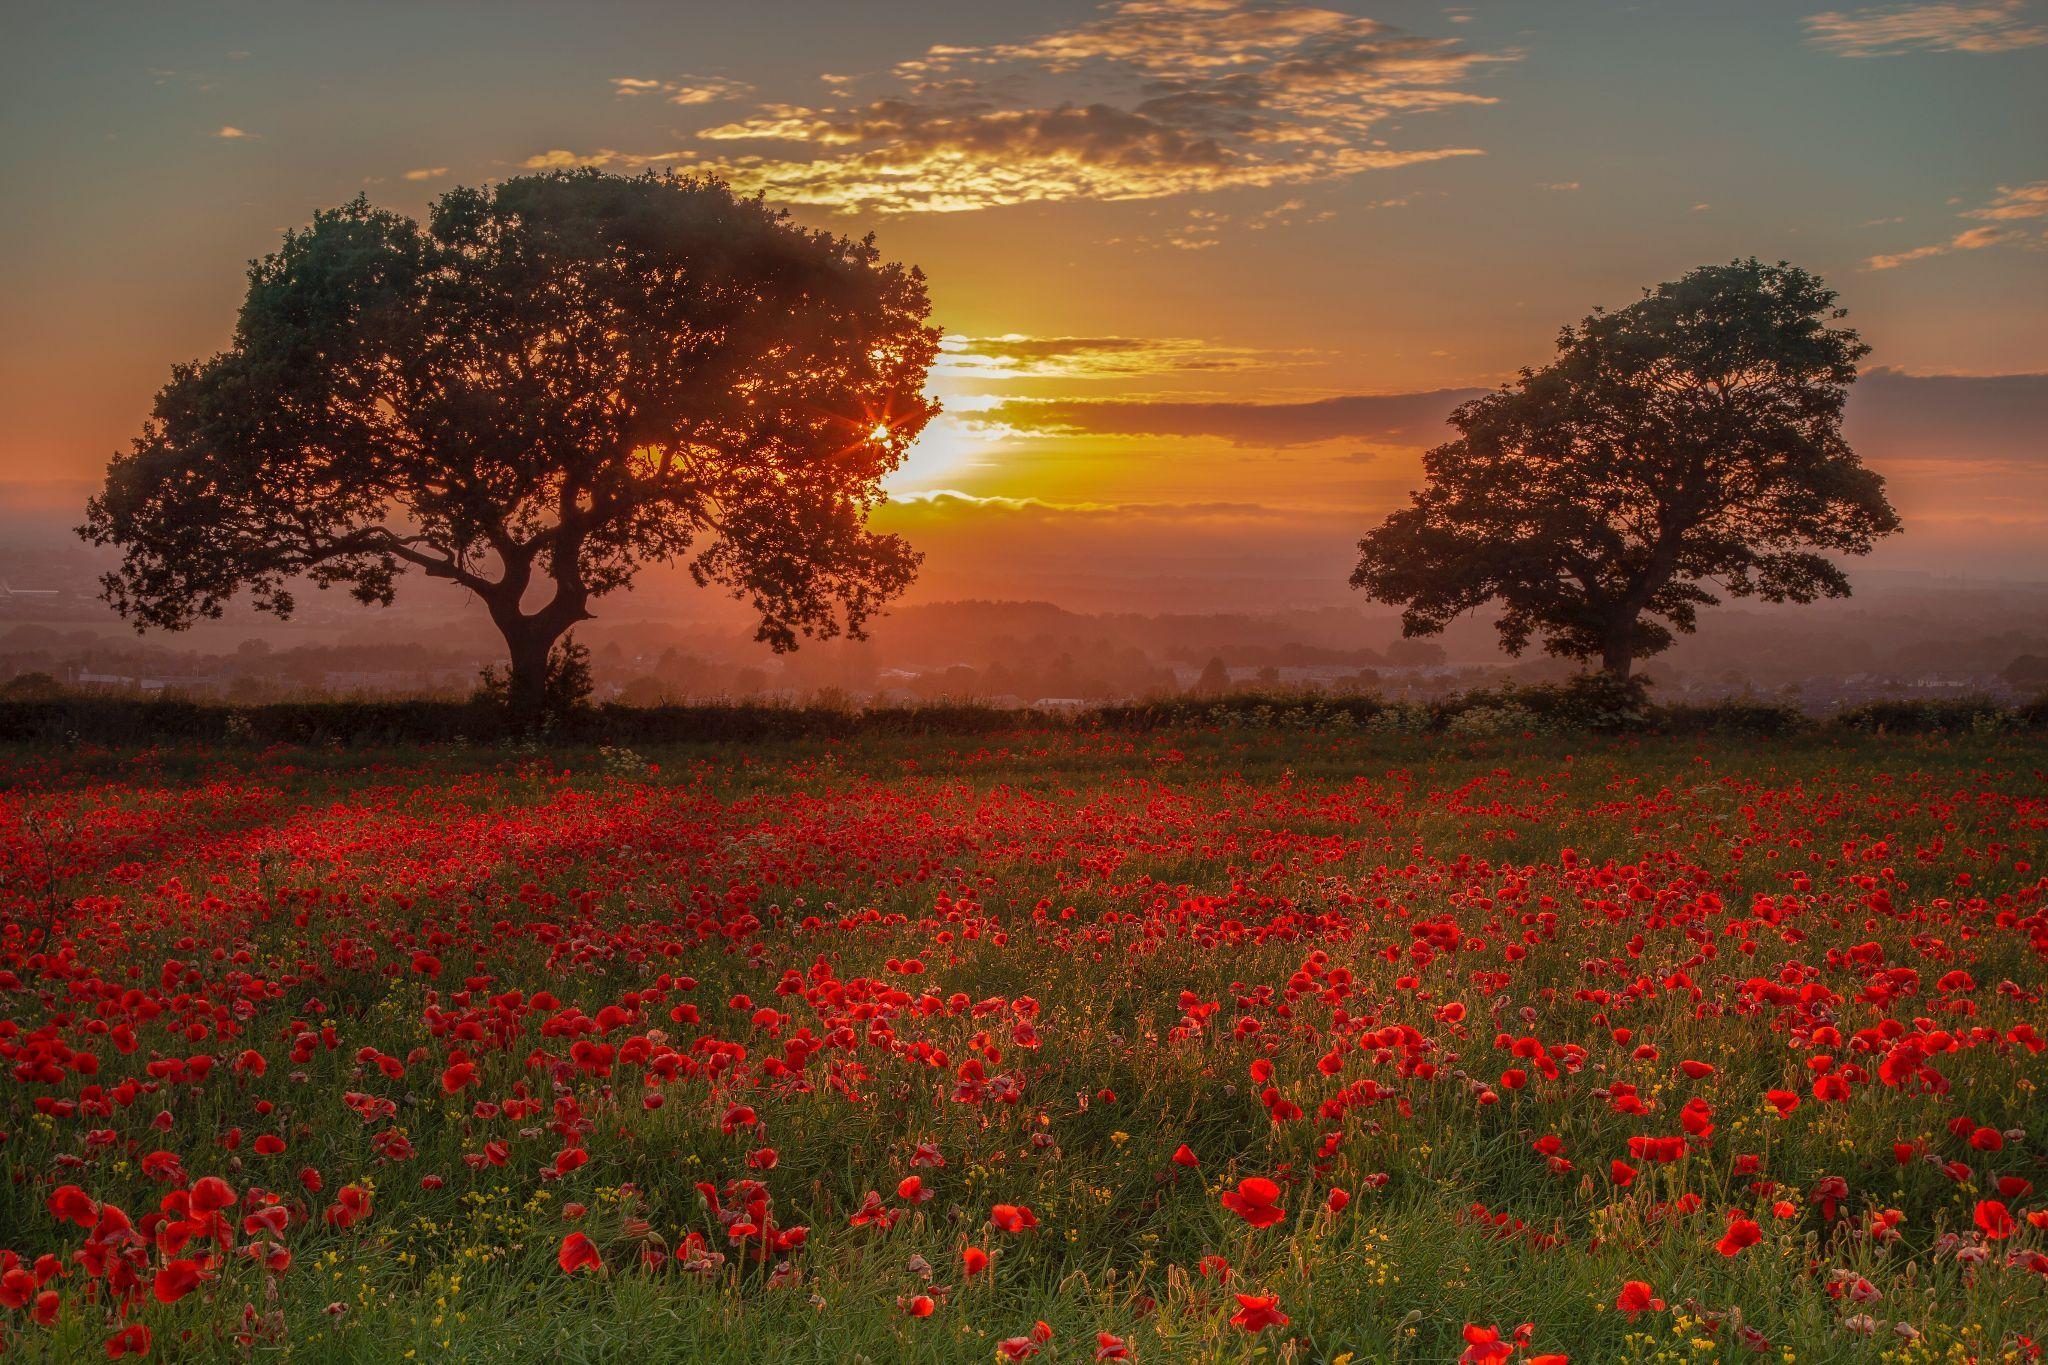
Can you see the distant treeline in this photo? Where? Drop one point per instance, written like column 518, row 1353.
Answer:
column 1586, row 705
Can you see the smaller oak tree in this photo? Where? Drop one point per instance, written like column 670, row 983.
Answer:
column 555, row 381
column 1690, row 439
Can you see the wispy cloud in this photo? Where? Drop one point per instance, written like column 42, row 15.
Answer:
column 1887, row 31
column 1969, row 239
column 558, row 159
column 231, row 133
column 1151, row 98
column 1015, row 356
column 427, row 173
column 684, row 90
column 1999, row 419
column 1400, row 419
column 2014, row 204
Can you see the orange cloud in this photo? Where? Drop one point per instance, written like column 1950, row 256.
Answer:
column 558, row 159
column 684, row 90
column 1153, row 98
column 1997, row 26
column 1015, row 356
column 2013, row 204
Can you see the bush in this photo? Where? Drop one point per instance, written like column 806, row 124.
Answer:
column 1402, row 718
column 1294, row 710
column 1946, row 715
column 1755, row 719
column 1591, row 703
column 1496, row 720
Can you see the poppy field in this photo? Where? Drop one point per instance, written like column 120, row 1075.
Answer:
column 1068, row 1045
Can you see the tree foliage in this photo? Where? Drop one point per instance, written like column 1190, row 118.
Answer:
column 1685, row 445
column 551, row 383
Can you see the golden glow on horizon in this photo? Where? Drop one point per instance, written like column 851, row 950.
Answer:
column 947, row 448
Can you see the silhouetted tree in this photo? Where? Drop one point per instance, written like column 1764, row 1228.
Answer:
column 1416, row 654
column 555, row 381
column 1693, row 437
column 1214, row 680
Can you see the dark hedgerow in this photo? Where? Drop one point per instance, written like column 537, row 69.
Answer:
column 1590, row 704
column 372, row 723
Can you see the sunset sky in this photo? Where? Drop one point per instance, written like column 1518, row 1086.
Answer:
column 1211, row 271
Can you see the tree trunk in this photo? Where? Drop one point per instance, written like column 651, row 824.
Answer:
column 528, row 646
column 1617, row 657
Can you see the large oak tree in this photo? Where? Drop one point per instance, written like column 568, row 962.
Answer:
column 552, row 383
column 1685, row 445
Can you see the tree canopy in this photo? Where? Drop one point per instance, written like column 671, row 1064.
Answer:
column 553, row 382
column 1685, row 445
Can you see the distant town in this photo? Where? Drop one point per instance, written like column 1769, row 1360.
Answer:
column 1900, row 636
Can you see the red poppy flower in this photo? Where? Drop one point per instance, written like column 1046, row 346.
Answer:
column 71, row 1204
column 132, row 1340
column 1994, row 1220
column 1636, row 1297
column 1483, row 1346
column 176, row 1279
column 1257, row 1312
column 1012, row 1217
column 577, row 1253
column 351, row 1205
column 17, row 1287
column 1742, row 1232
column 1256, row 1200
column 210, row 1194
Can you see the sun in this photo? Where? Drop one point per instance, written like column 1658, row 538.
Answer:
column 946, row 447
